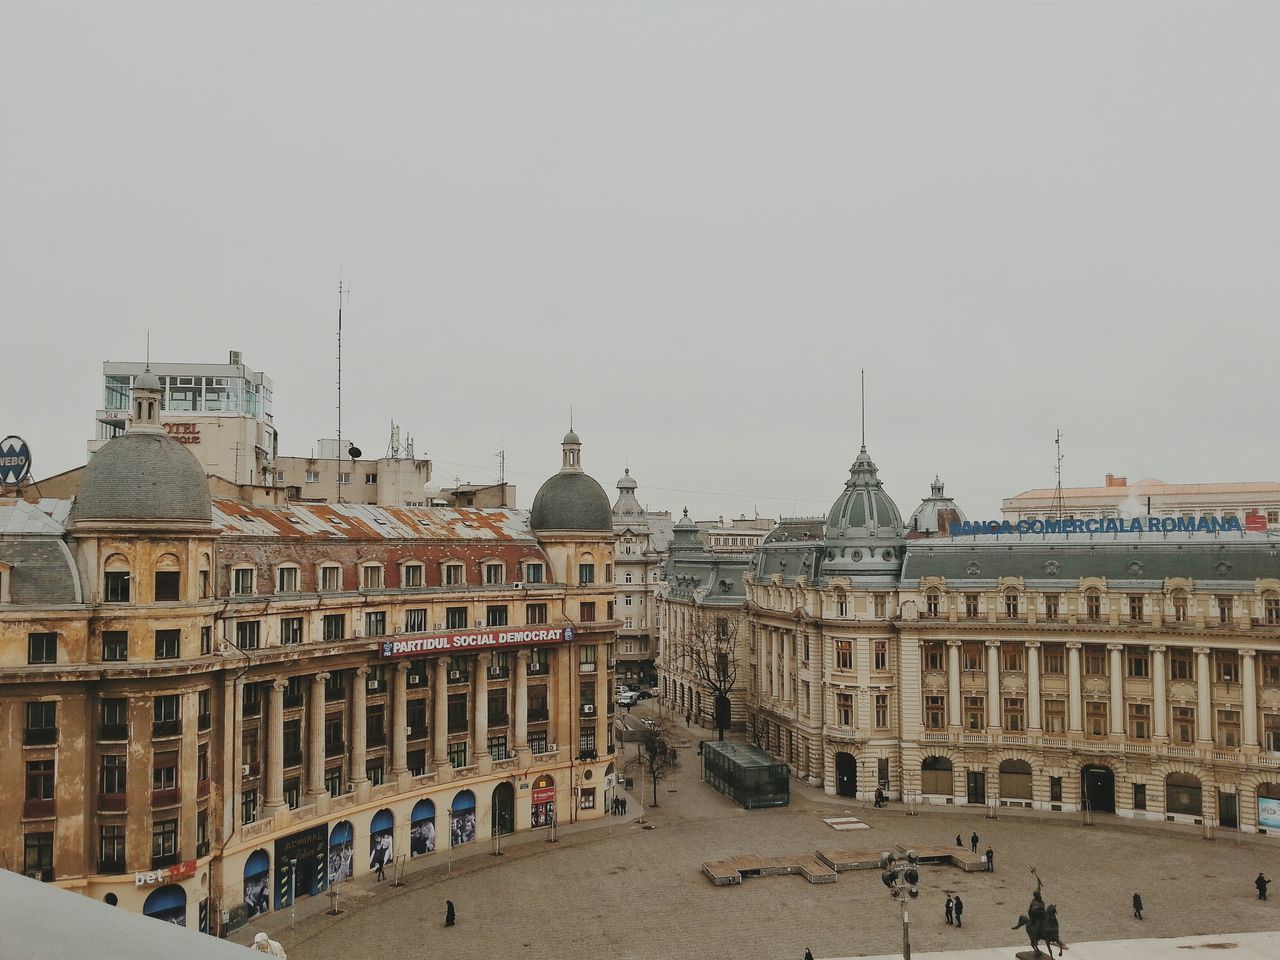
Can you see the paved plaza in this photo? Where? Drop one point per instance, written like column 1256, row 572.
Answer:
column 618, row 890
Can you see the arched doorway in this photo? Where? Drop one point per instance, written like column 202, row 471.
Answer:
column 462, row 818
column 846, row 775
column 1098, row 788
column 169, row 903
column 1015, row 780
column 1269, row 807
column 422, row 828
column 543, row 806
column 503, row 809
column 937, row 776
column 341, row 851
column 257, row 884
column 382, row 839
column 1182, row 794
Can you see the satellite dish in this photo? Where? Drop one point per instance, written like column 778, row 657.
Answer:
column 353, row 452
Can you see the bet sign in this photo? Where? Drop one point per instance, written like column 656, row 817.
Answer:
column 15, row 461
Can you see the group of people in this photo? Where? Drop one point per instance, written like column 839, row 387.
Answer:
column 955, row 910
column 988, row 858
column 619, row 806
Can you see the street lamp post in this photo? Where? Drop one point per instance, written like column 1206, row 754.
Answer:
column 293, row 895
column 902, row 877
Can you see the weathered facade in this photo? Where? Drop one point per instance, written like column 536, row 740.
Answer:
column 195, row 693
column 643, row 538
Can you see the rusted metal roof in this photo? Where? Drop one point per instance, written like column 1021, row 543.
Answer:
column 359, row 521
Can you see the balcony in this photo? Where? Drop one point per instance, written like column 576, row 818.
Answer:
column 539, row 670
column 202, row 788
column 293, row 759
column 112, row 802
column 418, row 733
column 541, row 715
column 43, row 874
column 334, row 749
column 499, row 673
column 166, row 798
column 376, row 738
column 459, row 676
column 499, row 720
column 252, row 771
column 39, row 809
column 588, row 755
column 587, row 711
column 294, row 700
column 109, row 867
column 586, row 668
column 202, row 848
column 113, row 731
column 166, row 728
column 39, row 736
column 165, row 860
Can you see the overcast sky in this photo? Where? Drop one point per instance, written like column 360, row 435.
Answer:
column 693, row 222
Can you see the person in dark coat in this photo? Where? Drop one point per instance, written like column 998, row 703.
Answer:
column 1137, row 905
column 973, row 841
column 951, row 905
column 808, row 954
column 959, row 841
column 991, row 860
column 450, row 915
column 1261, row 884
column 959, row 909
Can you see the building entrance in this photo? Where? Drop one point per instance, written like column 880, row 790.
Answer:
column 846, row 775
column 1098, row 789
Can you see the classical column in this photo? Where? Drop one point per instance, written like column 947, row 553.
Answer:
column 400, row 718
column 773, row 662
column 275, row 746
column 439, row 713
column 315, row 717
column 522, row 702
column 993, row 683
column 1075, row 722
column 787, row 645
column 357, row 749
column 1204, row 706
column 953, row 684
column 480, row 735
column 1117, row 688
column 1249, row 681
column 1160, row 701
column 1033, row 686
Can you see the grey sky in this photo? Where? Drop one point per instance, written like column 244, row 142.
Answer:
column 694, row 222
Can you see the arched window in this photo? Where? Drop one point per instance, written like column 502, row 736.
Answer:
column 1178, row 600
column 341, row 851
column 422, row 828
column 1271, row 608
column 932, row 602
column 381, row 839
column 1182, row 794
column 257, row 883
column 462, row 818
column 168, row 903
column 1011, row 603
column 1092, row 605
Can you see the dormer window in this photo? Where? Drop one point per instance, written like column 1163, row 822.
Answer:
column 286, row 580
column 533, row 573
column 330, row 578
column 242, row 579
column 495, row 573
column 411, row 575
column 371, row 577
column 455, row 575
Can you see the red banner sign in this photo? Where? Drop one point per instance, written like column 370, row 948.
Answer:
column 544, row 794
column 481, row 640
column 179, row 871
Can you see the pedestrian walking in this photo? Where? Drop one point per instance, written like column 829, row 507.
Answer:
column 959, row 841
column 382, row 870
column 688, row 717
column 808, row 954
column 624, row 806
column 1137, row 905
column 450, row 915
column 951, row 909
column 991, row 860
column 959, row 909
column 1261, row 884
column 973, row 842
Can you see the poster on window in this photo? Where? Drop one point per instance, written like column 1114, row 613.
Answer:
column 462, row 819
column 257, row 894
column 1269, row 813
column 422, row 837
column 341, row 852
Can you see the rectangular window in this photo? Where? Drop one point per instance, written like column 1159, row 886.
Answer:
column 330, row 579
column 586, row 573
column 882, row 655
column 168, row 586
column 333, row 781
column 375, row 623
column 167, row 709
column 1011, row 654
column 1055, row 789
column 417, row 762
column 1011, row 604
column 248, row 634
column 1271, row 610
column 206, row 641
column 1051, row 604
column 971, row 606
column 115, row 645
column 1139, row 721
column 971, row 657
column 934, row 656
column 1182, row 665
column 111, row 849
column 290, row 630
column 287, row 580
column 1055, row 717
column 344, row 478
column 371, row 479
column 454, row 574
column 455, row 618
column 975, row 713
column 1095, row 718
column 1139, row 796
column 1224, row 610
column 1184, row 725
column 458, row 713
column 164, row 774
column 535, row 613
column 335, row 626
column 204, row 720
column 1054, row 659
column 313, row 476
column 458, row 754
column 1135, row 608
column 164, row 839
column 242, row 582
column 39, row 780
column 42, row 648
column 1139, row 662
column 1180, row 607
column 882, row 711
column 1229, row 728
column 533, row 573
column 37, row 855
column 498, row 747
column 415, row 621
column 1014, row 714
column 844, row 655
column 587, row 743
column 42, row 723
column 587, row 611
column 935, row 713
column 496, row 615
column 371, row 578
column 1093, row 607
column 112, row 775
column 494, row 574
column 537, row 741
column 844, row 709
column 1228, row 666
column 1095, row 661
column 879, row 605
column 931, row 604
column 116, row 587
column 412, row 575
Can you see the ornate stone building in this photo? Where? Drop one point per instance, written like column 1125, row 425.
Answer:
column 642, row 541
column 208, row 708
column 1130, row 673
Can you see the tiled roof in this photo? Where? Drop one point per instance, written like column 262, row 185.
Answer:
column 358, row 521
column 1152, row 488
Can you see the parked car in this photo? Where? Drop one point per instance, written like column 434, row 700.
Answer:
column 628, row 698
column 645, row 695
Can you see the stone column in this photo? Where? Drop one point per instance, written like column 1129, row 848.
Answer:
column 480, row 728
column 993, row 684
column 787, row 645
column 1033, row 686
column 315, row 755
column 275, row 747
column 357, row 749
column 953, row 684
column 439, row 713
column 1249, row 681
column 1075, row 721
column 522, row 704
column 773, row 662
column 400, row 719
column 1160, row 702
column 1204, row 704
column 1117, row 688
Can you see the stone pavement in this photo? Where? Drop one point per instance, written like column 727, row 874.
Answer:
column 615, row 890
column 1229, row 946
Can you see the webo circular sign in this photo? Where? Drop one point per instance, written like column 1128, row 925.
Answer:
column 15, row 461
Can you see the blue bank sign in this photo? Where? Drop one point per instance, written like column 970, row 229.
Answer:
column 15, row 461
column 1110, row 525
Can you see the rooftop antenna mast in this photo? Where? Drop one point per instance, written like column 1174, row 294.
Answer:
column 502, row 466
column 1059, row 504
column 863, row 373
column 341, row 297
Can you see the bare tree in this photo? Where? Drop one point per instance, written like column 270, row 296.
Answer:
column 658, row 758
column 713, row 648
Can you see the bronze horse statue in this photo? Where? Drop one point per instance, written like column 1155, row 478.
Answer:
column 1041, row 923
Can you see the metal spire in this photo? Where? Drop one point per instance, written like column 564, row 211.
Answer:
column 863, row 373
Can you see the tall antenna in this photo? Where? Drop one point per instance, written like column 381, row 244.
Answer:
column 148, row 348
column 864, row 409
column 339, row 370
column 571, row 418
column 502, row 466
column 1059, row 504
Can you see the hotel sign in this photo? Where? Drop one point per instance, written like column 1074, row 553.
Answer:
column 1254, row 523
column 183, row 432
column 481, row 640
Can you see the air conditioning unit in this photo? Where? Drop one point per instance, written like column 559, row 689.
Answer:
column 372, row 686
column 455, row 674
column 517, row 585
column 551, row 748
column 415, row 678
column 244, row 770
column 495, row 672
column 588, row 708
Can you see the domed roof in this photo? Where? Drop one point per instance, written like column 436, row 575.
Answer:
column 147, row 381
column 143, row 476
column 863, row 508
column 626, row 483
column 571, row 437
column 571, row 500
column 934, row 514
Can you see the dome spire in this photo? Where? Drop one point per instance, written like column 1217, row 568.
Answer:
column 863, row 373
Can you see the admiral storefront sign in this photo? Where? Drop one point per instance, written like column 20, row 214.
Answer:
column 480, row 640
column 15, row 461
column 1254, row 523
